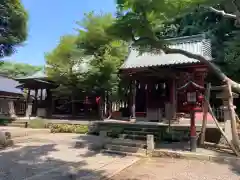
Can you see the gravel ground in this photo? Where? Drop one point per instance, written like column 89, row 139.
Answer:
column 179, row 169
column 55, row 157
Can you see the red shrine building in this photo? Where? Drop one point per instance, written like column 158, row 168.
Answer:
column 156, row 79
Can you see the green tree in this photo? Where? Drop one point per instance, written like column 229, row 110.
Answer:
column 64, row 67
column 16, row 70
column 13, row 26
column 107, row 54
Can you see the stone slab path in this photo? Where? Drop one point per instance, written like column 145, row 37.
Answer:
column 54, row 157
column 179, row 169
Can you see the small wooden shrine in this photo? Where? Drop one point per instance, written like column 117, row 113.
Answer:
column 155, row 79
column 39, row 95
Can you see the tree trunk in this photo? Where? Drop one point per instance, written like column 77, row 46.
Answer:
column 205, row 113
column 235, row 138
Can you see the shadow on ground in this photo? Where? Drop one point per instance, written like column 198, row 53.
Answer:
column 36, row 163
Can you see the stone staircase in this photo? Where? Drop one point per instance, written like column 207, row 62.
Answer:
column 121, row 146
column 22, row 124
column 131, row 140
column 137, row 133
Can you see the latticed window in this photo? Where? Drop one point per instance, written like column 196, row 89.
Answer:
column 22, row 108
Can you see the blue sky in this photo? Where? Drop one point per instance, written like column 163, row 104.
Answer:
column 50, row 19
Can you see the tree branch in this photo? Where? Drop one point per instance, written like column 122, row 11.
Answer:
column 223, row 13
column 205, row 60
column 234, row 2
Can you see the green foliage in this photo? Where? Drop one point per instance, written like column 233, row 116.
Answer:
column 68, row 128
column 13, row 69
column 13, row 26
column 107, row 53
column 64, row 65
column 142, row 20
column 37, row 123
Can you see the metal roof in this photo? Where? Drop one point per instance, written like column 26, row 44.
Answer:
column 196, row 44
column 38, row 75
column 9, row 85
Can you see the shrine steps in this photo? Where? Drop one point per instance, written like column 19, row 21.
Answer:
column 125, row 147
column 22, row 124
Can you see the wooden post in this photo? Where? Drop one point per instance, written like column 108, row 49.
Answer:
column 205, row 113
column 53, row 106
column 41, row 95
column 49, row 103
column 174, row 101
column 36, row 101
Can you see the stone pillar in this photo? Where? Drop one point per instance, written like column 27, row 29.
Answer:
column 227, row 120
column 11, row 108
column 28, row 105
column 133, row 101
column 29, row 109
column 150, row 144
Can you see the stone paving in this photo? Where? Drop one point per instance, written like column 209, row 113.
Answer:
column 55, row 157
column 179, row 169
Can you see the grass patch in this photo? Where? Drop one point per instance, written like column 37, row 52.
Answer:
column 68, row 128
column 37, row 123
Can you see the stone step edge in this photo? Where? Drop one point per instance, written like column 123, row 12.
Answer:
column 122, row 153
column 193, row 156
column 125, row 149
column 127, row 141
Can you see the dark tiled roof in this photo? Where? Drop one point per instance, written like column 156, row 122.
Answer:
column 197, row 44
column 9, row 85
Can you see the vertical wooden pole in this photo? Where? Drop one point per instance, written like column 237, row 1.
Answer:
column 36, row 101
column 205, row 113
column 174, row 103
column 41, row 95
column 49, row 102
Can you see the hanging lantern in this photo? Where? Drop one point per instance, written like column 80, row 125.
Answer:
column 156, row 86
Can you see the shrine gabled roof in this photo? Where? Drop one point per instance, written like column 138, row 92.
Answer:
column 196, row 44
column 38, row 75
column 9, row 85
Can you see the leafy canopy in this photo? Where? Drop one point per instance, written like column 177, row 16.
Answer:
column 142, row 21
column 107, row 53
column 63, row 64
column 16, row 70
column 13, row 26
